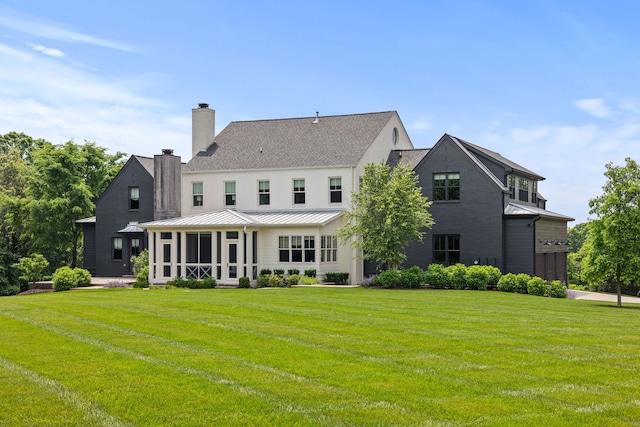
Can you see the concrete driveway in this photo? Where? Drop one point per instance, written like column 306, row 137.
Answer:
column 596, row 296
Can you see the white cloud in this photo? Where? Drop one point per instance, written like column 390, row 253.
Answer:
column 6, row 50
column 421, row 124
column 47, row 50
column 33, row 26
column 594, row 106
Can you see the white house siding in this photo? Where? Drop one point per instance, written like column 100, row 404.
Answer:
column 281, row 189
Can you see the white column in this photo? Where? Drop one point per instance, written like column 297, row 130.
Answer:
column 174, row 254
column 152, row 254
column 183, row 253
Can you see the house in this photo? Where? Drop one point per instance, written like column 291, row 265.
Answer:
column 113, row 235
column 269, row 194
column 487, row 210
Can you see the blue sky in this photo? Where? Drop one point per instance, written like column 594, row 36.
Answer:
column 552, row 85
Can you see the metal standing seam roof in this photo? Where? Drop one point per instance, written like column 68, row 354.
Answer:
column 296, row 142
column 516, row 209
column 132, row 227
column 240, row 218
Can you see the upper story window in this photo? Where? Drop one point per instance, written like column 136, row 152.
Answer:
column 534, row 192
column 298, row 191
column 335, row 190
column 446, row 186
column 230, row 193
column 134, row 198
column 264, row 194
column 512, row 187
column 523, row 193
column 394, row 136
column 197, row 193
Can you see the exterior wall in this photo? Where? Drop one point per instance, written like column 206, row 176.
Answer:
column 551, row 250
column 519, row 244
column 167, row 172
column 113, row 214
column 281, row 189
column 476, row 217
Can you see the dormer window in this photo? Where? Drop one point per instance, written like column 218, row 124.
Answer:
column 523, row 192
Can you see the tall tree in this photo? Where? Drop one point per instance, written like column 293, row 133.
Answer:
column 615, row 234
column 389, row 212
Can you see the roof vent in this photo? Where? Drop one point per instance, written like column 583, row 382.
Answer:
column 317, row 119
column 203, row 105
column 167, row 151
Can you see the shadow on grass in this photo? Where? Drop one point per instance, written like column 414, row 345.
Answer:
column 628, row 306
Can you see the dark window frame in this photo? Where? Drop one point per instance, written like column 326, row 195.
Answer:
column 446, row 249
column 446, row 186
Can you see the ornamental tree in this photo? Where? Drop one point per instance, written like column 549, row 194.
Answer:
column 388, row 212
column 615, row 235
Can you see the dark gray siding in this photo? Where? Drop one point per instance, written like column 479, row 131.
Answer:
column 476, row 217
column 113, row 214
column 519, row 245
column 89, row 247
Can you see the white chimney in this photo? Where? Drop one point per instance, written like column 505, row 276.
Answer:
column 203, row 127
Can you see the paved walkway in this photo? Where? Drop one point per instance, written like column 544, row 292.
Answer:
column 597, row 296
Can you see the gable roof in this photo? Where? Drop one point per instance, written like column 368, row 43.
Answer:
column 146, row 162
column 497, row 157
column 409, row 157
column 297, row 142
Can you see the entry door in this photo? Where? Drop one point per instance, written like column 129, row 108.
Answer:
column 232, row 264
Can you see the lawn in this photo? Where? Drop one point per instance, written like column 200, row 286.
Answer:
column 316, row 356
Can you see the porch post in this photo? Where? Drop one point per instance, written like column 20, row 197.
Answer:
column 152, row 255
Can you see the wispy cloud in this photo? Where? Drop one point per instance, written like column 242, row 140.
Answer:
column 15, row 53
column 594, row 106
column 34, row 26
column 47, row 50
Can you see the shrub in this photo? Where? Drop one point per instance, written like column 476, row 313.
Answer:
column 522, row 283
column 310, row 273
column 244, row 282
column 337, row 278
column 140, row 261
column 537, row 286
column 64, row 279
column 293, row 271
column 306, row 280
column 263, row 280
column 278, row 271
column 412, row 278
column 557, row 290
column 494, row 275
column 368, row 280
column 389, row 279
column 436, row 276
column 293, row 280
column 508, row 283
column 32, row 267
column 83, row 277
column 477, row 277
column 265, row 272
column 276, row 281
column 143, row 274
column 577, row 287
column 208, row 282
column 140, row 285
column 457, row 275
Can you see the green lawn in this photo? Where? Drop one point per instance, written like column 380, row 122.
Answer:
column 316, row 356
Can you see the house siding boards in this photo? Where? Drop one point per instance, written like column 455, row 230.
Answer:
column 519, row 245
column 113, row 214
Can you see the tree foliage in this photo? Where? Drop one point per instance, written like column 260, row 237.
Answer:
column 389, row 212
column 32, row 267
column 615, row 235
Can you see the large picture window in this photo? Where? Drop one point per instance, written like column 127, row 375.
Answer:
column 297, row 248
column 328, row 249
column 446, row 186
column 446, row 249
column 264, row 193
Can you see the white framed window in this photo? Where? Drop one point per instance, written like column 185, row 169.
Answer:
column 297, row 248
column 264, row 193
column 230, row 193
column 283, row 248
column 196, row 188
column 328, row 248
column 335, row 190
column 298, row 191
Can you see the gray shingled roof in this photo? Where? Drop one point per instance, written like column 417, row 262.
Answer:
column 498, row 158
column 146, row 163
column 409, row 157
column 298, row 142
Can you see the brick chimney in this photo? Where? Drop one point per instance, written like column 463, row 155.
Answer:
column 203, row 127
column 167, row 174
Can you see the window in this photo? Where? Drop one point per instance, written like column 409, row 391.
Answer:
column 199, row 247
column 197, row 194
column 394, row 136
column 230, row 193
column 335, row 190
column 135, row 246
column 298, row 191
column 166, row 235
column 134, row 198
column 283, row 248
column 264, row 196
column 328, row 249
column 446, row 249
column 534, row 192
column 117, row 248
column 523, row 195
column 446, row 186
column 512, row 187
column 297, row 248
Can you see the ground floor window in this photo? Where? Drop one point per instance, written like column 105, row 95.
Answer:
column 328, row 248
column 117, row 248
column 297, row 248
column 199, row 248
column 135, row 246
column 446, row 249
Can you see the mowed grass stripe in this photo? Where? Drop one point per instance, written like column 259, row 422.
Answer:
column 529, row 359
